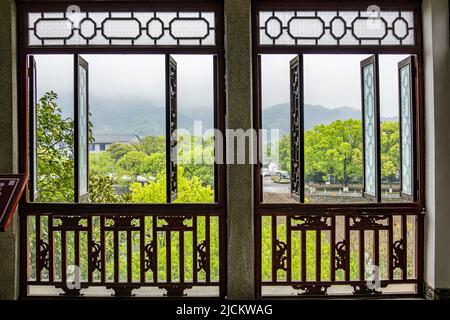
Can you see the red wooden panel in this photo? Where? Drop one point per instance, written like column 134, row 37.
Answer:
column 11, row 189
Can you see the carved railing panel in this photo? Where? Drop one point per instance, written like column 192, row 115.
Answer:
column 125, row 255
column 339, row 253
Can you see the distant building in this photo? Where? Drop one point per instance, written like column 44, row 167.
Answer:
column 103, row 141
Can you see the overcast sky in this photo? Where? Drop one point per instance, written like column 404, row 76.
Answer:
column 138, row 76
column 330, row 80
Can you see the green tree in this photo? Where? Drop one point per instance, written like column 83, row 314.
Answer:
column 153, row 164
column 54, row 152
column 118, row 150
column 335, row 150
column 196, row 156
column 101, row 163
column 390, row 151
column 189, row 190
column 101, row 189
column 284, row 148
column 131, row 164
column 151, row 144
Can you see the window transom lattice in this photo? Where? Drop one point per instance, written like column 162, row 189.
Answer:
column 121, row 28
column 336, row 28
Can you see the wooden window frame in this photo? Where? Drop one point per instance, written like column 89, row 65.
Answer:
column 217, row 51
column 175, row 210
column 372, row 60
column 412, row 65
column 416, row 51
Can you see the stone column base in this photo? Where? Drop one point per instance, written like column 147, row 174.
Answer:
column 436, row 294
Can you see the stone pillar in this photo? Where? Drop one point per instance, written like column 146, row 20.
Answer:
column 238, row 51
column 437, row 153
column 9, row 262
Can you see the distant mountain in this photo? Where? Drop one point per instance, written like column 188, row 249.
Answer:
column 277, row 116
column 134, row 116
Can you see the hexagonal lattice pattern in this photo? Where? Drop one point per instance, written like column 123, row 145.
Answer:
column 121, row 28
column 336, row 28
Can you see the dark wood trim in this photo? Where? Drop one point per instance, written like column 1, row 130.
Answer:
column 290, row 49
column 109, row 210
column 11, row 198
column 216, row 120
column 257, row 124
column 374, row 208
column 297, row 62
column 217, row 50
column 220, row 110
column 120, row 5
column 415, row 50
column 113, row 208
column 420, row 119
column 22, row 148
column 32, row 103
column 373, row 60
column 334, row 4
column 124, row 50
column 171, row 112
column 25, row 6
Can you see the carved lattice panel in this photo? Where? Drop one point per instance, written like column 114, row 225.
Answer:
column 171, row 136
column 407, row 103
column 120, row 254
column 296, row 111
column 121, row 28
column 82, row 130
column 370, row 110
column 336, row 28
column 339, row 253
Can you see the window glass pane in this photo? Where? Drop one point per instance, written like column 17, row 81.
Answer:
column 127, row 163
column 55, row 125
column 405, row 92
column 83, row 131
column 275, row 136
column 390, row 130
column 369, row 130
column 333, row 129
column 332, row 123
column 195, row 91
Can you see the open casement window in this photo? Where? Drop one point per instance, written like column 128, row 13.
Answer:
column 171, row 127
column 296, row 127
column 407, row 111
column 81, row 145
column 32, row 85
column 371, row 128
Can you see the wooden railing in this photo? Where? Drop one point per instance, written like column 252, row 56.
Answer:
column 76, row 252
column 123, row 255
column 339, row 253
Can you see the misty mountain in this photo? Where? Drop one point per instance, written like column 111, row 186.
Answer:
column 134, row 116
column 277, row 116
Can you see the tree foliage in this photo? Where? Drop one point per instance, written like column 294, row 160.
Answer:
column 55, row 143
column 190, row 190
column 334, row 152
